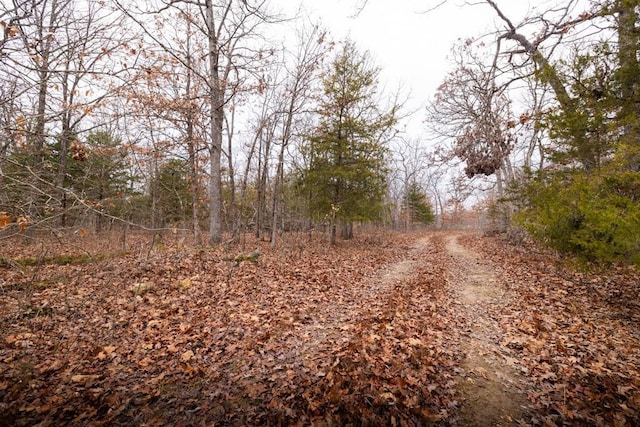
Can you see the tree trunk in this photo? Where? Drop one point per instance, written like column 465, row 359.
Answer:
column 62, row 172
column 215, row 116
column 347, row 230
column 245, row 176
column 192, row 150
column 99, row 214
column 233, row 208
column 276, row 192
column 65, row 141
column 263, row 173
column 333, row 234
column 38, row 136
column 548, row 75
column 194, row 187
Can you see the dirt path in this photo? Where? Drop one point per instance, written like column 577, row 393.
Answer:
column 490, row 392
column 445, row 329
column 335, row 317
column 491, row 395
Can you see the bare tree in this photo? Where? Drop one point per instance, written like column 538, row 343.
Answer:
column 470, row 109
column 297, row 89
column 567, row 25
column 231, row 32
column 227, row 26
column 170, row 87
column 56, row 52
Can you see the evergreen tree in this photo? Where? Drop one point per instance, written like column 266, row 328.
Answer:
column 95, row 179
column 584, row 134
column 173, row 195
column 590, row 206
column 345, row 154
column 418, row 205
column 627, row 81
column 99, row 172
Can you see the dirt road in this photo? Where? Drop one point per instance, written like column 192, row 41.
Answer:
column 490, row 391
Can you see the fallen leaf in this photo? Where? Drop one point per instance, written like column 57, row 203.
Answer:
column 187, row 355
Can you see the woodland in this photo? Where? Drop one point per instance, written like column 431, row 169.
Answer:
column 211, row 214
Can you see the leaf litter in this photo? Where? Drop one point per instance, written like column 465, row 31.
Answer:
column 367, row 333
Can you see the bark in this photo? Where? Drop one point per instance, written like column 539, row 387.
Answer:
column 216, row 116
column 548, row 73
column 65, row 139
column 347, row 230
column 333, row 240
column 276, row 192
column 263, row 172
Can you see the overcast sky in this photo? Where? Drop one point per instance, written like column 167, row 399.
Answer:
column 408, row 42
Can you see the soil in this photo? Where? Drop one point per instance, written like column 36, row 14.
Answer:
column 491, row 392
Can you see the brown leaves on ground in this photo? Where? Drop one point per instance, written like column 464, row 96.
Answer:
column 576, row 335
column 366, row 333
column 181, row 336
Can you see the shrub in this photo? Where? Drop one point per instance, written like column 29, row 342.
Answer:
column 593, row 215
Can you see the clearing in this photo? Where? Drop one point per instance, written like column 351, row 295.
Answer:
column 389, row 329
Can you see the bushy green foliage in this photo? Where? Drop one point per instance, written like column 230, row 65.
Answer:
column 104, row 174
column 418, row 205
column 172, row 192
column 95, row 177
column 345, row 177
column 594, row 216
column 583, row 133
column 590, row 205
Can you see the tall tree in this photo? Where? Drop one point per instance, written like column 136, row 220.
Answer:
column 293, row 103
column 345, row 175
column 228, row 25
column 627, row 78
column 230, row 29
column 469, row 108
column 617, row 18
column 587, row 203
column 417, row 205
column 172, row 90
column 98, row 173
column 473, row 111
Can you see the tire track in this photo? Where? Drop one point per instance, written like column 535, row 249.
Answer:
column 490, row 388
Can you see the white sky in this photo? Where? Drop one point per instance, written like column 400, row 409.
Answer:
column 409, row 44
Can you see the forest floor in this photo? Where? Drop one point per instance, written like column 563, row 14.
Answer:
column 437, row 328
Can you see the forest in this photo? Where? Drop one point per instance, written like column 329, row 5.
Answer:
column 200, row 119
column 212, row 213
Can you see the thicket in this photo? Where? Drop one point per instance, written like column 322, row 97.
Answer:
column 594, row 215
column 588, row 201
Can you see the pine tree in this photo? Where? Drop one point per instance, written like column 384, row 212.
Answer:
column 345, row 154
column 418, row 205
